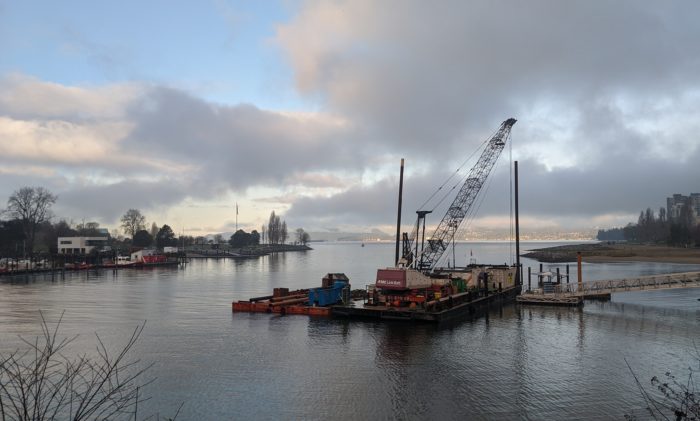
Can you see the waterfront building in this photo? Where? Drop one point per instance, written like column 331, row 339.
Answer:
column 80, row 245
column 675, row 203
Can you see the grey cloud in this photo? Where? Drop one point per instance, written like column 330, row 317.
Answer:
column 424, row 74
column 237, row 146
column 106, row 203
column 609, row 87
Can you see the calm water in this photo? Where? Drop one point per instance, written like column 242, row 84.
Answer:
column 513, row 363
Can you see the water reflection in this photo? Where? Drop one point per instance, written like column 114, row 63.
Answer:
column 514, row 362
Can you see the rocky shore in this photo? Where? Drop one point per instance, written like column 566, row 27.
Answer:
column 617, row 252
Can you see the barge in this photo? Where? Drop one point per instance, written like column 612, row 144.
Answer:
column 398, row 294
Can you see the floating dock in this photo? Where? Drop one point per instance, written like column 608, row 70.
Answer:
column 550, row 299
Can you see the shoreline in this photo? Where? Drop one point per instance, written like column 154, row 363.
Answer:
column 616, row 253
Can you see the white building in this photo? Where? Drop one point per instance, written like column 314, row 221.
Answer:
column 80, row 245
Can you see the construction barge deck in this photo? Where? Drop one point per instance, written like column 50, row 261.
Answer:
column 473, row 306
column 356, row 309
column 451, row 298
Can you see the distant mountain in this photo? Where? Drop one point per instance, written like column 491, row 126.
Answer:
column 374, row 235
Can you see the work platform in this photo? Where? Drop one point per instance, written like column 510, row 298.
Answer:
column 445, row 313
column 460, row 306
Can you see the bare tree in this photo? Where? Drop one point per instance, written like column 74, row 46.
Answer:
column 132, row 222
column 675, row 398
column 303, row 237
column 42, row 383
column 273, row 228
column 32, row 206
column 154, row 230
column 88, row 229
column 283, row 232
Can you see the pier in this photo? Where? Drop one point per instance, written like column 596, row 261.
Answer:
column 575, row 293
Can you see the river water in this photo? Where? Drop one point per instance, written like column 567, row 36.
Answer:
column 513, row 363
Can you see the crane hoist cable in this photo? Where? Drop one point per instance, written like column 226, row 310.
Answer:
column 464, row 200
column 456, row 171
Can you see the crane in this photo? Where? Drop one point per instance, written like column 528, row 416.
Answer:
column 458, row 210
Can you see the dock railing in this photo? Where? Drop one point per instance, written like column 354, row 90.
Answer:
column 639, row 283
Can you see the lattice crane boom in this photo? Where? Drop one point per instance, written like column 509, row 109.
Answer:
column 464, row 200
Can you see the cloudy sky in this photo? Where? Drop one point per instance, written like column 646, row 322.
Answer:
column 183, row 109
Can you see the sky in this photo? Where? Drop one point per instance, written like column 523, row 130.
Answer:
column 182, row 109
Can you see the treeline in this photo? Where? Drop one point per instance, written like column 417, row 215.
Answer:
column 275, row 232
column 658, row 229
column 26, row 229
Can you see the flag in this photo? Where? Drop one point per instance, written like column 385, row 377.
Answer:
column 236, row 208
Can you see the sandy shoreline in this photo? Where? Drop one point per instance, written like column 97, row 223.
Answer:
column 615, row 253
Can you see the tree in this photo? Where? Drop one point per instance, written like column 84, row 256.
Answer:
column 142, row 239
column 50, row 233
column 165, row 237
column 276, row 230
column 88, row 229
column 186, row 240
column 154, row 230
column 46, row 382
column 11, row 238
column 239, row 238
column 254, row 238
column 132, row 222
column 218, row 239
column 273, row 228
column 283, row 232
column 32, row 206
column 303, row 237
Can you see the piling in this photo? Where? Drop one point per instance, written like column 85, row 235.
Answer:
column 398, row 218
column 518, row 275
column 580, row 276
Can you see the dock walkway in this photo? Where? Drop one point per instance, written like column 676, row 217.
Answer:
column 573, row 294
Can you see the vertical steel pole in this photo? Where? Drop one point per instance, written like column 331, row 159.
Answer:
column 518, row 277
column 398, row 218
column 580, row 276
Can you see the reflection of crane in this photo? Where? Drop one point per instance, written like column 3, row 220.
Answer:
column 430, row 254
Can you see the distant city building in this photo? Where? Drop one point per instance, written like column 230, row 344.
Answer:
column 675, row 203
column 80, row 245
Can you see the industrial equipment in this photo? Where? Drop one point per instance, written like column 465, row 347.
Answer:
column 430, row 254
